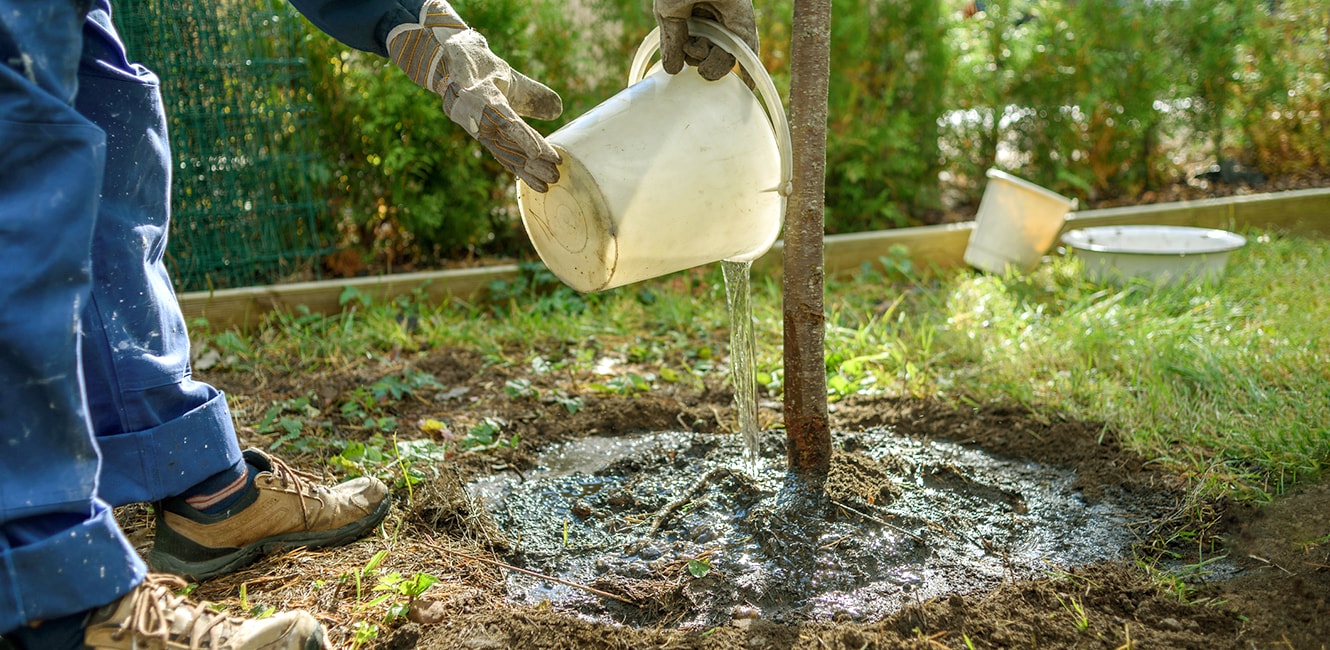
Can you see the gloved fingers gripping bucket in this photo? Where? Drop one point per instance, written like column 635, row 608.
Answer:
column 671, row 173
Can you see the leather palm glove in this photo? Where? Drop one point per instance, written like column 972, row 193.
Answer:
column 678, row 48
column 480, row 91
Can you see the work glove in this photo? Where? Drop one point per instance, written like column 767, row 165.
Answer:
column 678, row 48
column 480, row 91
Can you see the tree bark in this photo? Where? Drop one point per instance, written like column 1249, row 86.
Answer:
column 808, row 432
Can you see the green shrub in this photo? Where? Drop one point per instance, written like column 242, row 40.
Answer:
column 404, row 181
column 889, row 62
column 1068, row 88
column 1107, row 99
column 1088, row 90
column 1093, row 99
column 1282, row 94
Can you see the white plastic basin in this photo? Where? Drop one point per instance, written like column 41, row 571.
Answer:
column 1163, row 254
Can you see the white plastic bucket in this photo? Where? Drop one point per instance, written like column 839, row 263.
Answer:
column 1017, row 223
column 671, row 173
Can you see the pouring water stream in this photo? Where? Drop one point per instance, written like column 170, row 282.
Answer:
column 743, row 356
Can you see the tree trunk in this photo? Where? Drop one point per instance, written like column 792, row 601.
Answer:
column 808, row 432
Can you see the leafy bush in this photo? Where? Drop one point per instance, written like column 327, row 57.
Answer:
column 1087, row 91
column 1282, row 90
column 1092, row 99
column 889, row 64
column 404, row 180
column 1070, row 89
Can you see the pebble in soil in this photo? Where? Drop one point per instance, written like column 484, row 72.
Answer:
column 681, row 524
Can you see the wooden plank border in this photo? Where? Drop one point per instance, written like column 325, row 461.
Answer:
column 940, row 247
column 245, row 307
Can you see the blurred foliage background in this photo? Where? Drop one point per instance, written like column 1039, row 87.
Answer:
column 1096, row 100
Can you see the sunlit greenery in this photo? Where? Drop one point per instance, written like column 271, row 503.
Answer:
column 1228, row 383
column 1091, row 99
column 299, row 156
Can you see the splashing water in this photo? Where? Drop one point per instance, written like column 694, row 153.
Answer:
column 743, row 355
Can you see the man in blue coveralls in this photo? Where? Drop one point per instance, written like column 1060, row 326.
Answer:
column 97, row 405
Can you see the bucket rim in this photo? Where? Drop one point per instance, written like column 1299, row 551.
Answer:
column 1116, row 240
column 763, row 87
column 1021, row 182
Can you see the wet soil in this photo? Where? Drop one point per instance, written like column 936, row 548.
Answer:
column 1133, row 559
column 1129, row 557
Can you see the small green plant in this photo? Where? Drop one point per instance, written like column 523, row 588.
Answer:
column 402, row 463
column 536, row 291
column 360, row 403
column 487, row 434
column 699, row 567
column 357, row 578
column 396, row 593
column 363, row 632
column 396, row 387
column 255, row 610
column 1076, row 609
column 897, row 265
column 1181, row 580
column 854, row 375
column 520, row 388
column 290, row 419
column 642, row 350
column 412, row 455
column 365, row 404
column 382, row 424
column 227, row 348
column 626, row 385
column 359, row 458
column 392, row 591
column 1315, row 543
column 570, row 404
column 352, row 297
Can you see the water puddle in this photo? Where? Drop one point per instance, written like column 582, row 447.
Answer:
column 684, row 526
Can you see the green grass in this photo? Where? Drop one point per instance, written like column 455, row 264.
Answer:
column 1228, row 383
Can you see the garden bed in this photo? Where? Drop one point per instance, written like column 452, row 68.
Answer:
column 1184, row 573
column 625, row 546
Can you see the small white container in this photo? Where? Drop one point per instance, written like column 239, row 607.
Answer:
column 1016, row 224
column 1167, row 255
column 671, row 173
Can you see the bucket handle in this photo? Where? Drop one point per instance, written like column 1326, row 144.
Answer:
column 766, row 88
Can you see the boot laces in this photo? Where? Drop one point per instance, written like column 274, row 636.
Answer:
column 151, row 614
column 290, row 476
column 303, row 483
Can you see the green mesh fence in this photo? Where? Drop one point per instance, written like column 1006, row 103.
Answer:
column 233, row 83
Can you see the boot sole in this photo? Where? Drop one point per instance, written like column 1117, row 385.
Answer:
column 250, row 553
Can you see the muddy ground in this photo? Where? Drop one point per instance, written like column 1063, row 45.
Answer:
column 1251, row 577
column 1185, row 572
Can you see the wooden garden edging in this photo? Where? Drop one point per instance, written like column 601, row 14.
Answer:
column 1302, row 211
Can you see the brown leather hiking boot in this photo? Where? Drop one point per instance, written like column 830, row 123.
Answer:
column 153, row 617
column 285, row 509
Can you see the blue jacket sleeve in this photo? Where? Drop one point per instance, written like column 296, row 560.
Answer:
column 361, row 24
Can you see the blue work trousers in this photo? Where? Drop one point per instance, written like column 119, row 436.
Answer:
column 97, row 406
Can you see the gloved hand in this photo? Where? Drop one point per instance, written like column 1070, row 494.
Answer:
column 677, row 47
column 480, row 91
